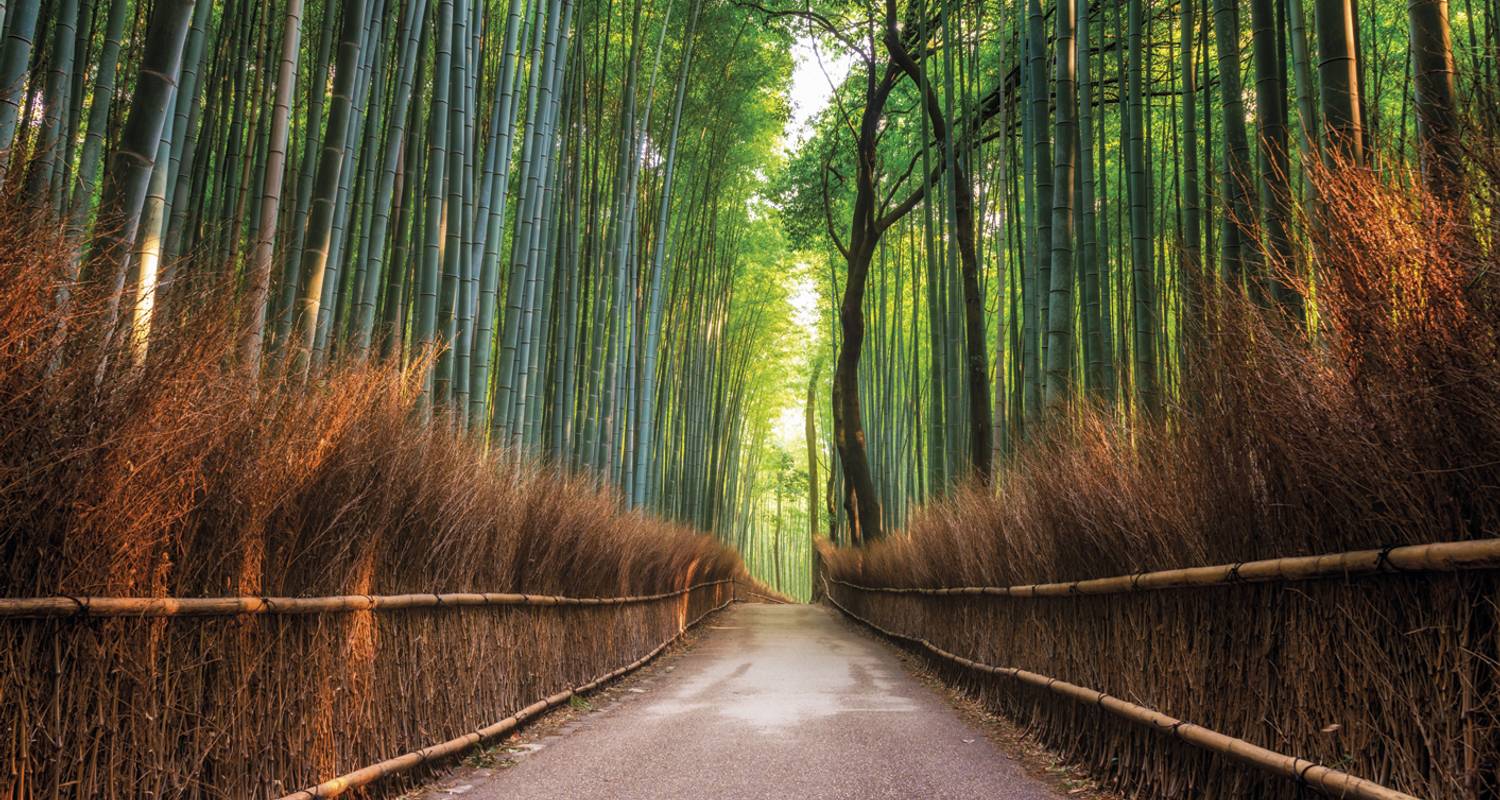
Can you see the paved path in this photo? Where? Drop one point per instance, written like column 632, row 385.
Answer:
column 773, row 702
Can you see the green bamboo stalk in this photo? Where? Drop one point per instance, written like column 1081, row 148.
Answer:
column 265, row 244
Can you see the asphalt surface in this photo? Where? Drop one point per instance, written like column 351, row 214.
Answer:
column 772, row 702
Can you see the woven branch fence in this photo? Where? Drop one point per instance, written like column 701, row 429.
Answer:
column 1369, row 674
column 248, row 697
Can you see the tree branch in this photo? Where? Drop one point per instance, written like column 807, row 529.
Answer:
column 828, row 205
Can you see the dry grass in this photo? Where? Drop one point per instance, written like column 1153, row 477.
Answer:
column 1381, row 429
column 183, row 476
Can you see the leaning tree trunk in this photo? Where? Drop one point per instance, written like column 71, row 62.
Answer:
column 976, row 370
column 860, row 498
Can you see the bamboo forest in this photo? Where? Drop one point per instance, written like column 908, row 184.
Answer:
column 374, row 370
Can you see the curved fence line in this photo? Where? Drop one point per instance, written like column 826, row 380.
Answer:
column 65, row 606
column 1324, row 779
column 1437, row 557
column 416, row 758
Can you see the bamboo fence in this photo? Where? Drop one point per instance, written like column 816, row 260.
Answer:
column 1437, row 557
column 1329, row 781
column 1395, row 680
column 409, row 761
column 256, row 696
column 65, row 606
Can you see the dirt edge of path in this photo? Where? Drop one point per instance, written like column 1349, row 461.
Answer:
column 1040, row 763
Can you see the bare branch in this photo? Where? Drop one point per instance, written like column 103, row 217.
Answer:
column 809, row 15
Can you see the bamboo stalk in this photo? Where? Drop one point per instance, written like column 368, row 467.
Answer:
column 234, row 606
column 1329, row 781
column 408, row 761
column 1436, row 557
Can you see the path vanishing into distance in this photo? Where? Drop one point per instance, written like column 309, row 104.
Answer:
column 774, row 701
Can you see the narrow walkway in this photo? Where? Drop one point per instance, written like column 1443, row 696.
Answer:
column 773, row 702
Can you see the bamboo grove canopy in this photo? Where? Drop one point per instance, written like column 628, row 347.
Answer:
column 582, row 224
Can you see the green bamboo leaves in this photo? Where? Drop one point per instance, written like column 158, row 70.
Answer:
column 562, row 212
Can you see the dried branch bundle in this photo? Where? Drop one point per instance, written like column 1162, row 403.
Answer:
column 181, row 476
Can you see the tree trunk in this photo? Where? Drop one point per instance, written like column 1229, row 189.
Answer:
column 129, row 175
column 1238, row 231
column 860, row 498
column 1437, row 106
column 1343, row 136
column 270, row 205
column 1039, row 205
column 1192, row 226
column 1060, row 295
column 1100, row 367
column 1275, row 166
column 15, row 55
column 810, row 424
column 1143, row 339
column 55, row 101
column 317, row 240
column 976, row 370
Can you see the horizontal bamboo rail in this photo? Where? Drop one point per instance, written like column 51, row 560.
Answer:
column 1437, row 557
column 416, row 758
column 1324, row 779
column 65, row 606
